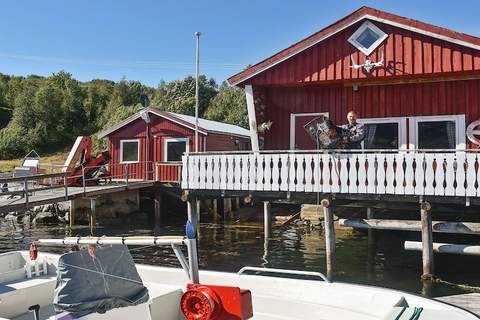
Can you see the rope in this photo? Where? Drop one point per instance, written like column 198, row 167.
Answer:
column 104, row 274
column 461, row 286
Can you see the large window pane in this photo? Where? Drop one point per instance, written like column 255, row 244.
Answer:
column 129, row 151
column 175, row 150
column 436, row 135
column 381, row 136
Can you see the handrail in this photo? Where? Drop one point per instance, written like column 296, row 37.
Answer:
column 285, row 271
column 327, row 151
column 34, row 177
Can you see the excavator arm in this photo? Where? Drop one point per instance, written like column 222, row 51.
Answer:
column 80, row 157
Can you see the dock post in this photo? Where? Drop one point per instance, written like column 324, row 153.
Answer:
column 371, row 247
column 73, row 209
column 267, row 219
column 198, row 204
column 237, row 203
column 329, row 237
column 215, row 210
column 227, row 209
column 427, row 241
column 93, row 215
column 157, row 202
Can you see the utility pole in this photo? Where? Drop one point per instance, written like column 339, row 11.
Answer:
column 197, row 67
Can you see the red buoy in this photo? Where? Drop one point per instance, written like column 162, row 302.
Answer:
column 33, row 251
column 200, row 303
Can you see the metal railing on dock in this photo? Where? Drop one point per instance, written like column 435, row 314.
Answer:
column 27, row 185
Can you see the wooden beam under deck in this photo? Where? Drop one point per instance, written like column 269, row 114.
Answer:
column 378, row 201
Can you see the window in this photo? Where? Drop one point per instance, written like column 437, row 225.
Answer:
column 129, row 151
column 438, row 132
column 384, row 133
column 175, row 148
column 367, row 38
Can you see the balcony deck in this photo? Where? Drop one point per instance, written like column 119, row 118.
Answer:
column 438, row 173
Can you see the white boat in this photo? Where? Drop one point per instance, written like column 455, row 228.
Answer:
column 25, row 284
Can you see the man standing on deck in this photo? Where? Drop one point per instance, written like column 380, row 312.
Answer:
column 356, row 131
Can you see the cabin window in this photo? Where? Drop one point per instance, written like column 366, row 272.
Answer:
column 129, row 151
column 367, row 38
column 175, row 148
column 438, row 132
column 384, row 133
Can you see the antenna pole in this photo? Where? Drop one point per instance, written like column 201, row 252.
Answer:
column 197, row 67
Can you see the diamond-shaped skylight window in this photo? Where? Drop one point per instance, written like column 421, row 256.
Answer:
column 367, row 38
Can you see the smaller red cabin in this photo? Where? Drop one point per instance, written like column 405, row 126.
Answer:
column 149, row 144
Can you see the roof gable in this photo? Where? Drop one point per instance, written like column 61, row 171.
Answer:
column 364, row 13
column 204, row 126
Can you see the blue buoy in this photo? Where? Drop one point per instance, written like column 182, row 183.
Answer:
column 190, row 230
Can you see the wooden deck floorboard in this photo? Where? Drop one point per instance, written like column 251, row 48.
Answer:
column 57, row 195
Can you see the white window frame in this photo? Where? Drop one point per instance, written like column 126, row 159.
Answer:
column 292, row 124
column 121, row 150
column 374, row 28
column 402, row 128
column 167, row 140
column 459, row 128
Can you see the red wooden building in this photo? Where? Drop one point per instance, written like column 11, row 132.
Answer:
column 416, row 87
column 422, row 96
column 149, row 143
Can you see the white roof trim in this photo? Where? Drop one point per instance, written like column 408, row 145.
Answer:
column 182, row 121
column 365, row 16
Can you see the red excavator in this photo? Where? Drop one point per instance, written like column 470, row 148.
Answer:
column 81, row 157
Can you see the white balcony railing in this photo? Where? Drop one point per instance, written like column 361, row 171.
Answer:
column 432, row 172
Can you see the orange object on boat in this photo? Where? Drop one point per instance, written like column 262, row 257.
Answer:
column 208, row 302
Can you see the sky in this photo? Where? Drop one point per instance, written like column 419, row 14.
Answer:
column 150, row 41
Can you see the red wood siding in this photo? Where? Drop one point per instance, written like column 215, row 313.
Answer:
column 406, row 54
column 399, row 100
column 160, row 130
column 222, row 142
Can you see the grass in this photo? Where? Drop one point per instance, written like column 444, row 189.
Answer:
column 45, row 161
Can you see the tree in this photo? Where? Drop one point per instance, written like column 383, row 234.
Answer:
column 229, row 106
column 179, row 95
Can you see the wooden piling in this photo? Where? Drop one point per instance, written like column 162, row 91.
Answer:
column 215, row 210
column 93, row 215
column 329, row 237
column 198, row 204
column 427, row 241
column 157, row 202
column 267, row 219
column 227, row 209
column 73, row 209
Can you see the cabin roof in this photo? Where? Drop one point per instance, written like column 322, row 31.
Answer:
column 358, row 15
column 204, row 126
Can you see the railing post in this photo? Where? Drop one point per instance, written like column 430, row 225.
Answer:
column 25, row 191
column 83, row 180
column 65, row 185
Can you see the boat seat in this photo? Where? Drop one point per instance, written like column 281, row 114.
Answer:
column 17, row 297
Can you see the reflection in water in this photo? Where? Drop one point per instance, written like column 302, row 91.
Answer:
column 228, row 247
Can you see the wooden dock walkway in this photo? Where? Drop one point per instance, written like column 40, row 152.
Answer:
column 469, row 301
column 57, row 195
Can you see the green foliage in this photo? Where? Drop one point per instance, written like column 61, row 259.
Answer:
column 179, row 95
column 48, row 113
column 229, row 106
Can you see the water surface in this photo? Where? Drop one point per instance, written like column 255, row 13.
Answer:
column 230, row 246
